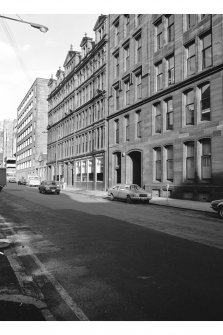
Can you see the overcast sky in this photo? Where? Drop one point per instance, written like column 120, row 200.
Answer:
column 26, row 53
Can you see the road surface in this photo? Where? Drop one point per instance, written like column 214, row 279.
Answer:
column 93, row 259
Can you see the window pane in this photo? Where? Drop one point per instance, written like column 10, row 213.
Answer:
column 190, row 97
column 190, row 171
column 207, row 57
column 206, row 167
column 207, row 41
column 170, row 169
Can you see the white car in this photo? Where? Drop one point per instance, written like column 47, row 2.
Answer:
column 129, row 192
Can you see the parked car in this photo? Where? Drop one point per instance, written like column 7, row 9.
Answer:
column 48, row 186
column 22, row 181
column 11, row 179
column 129, row 192
column 217, row 205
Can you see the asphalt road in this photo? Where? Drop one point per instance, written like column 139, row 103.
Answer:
column 100, row 260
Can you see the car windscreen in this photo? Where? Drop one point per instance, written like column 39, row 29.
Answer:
column 50, row 183
column 135, row 188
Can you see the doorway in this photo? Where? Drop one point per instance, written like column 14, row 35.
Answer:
column 134, row 168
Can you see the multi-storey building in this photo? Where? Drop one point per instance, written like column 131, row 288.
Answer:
column 7, row 139
column 77, row 114
column 165, row 103
column 32, row 121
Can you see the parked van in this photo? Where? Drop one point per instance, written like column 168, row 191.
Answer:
column 33, row 181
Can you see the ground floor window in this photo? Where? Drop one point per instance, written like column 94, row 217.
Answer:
column 78, row 171
column 90, row 170
column 99, row 169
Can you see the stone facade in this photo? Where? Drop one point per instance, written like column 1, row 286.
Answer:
column 165, row 104
column 77, row 115
column 32, row 121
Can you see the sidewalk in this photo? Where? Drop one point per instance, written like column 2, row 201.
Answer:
column 187, row 204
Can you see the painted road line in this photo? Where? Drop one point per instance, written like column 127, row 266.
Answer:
column 58, row 287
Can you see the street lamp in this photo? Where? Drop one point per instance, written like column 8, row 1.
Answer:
column 42, row 28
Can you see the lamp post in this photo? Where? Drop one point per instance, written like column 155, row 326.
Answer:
column 42, row 28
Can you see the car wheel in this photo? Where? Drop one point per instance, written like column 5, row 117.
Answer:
column 58, row 193
column 220, row 212
column 147, row 201
column 129, row 200
column 112, row 197
column 39, row 191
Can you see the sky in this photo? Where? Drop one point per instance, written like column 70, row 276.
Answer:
column 26, row 53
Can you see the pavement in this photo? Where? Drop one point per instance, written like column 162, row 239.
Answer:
column 169, row 202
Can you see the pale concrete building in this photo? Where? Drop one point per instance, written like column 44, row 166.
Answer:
column 32, row 120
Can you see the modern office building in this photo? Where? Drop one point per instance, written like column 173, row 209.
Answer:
column 32, row 121
column 7, row 139
column 77, row 114
column 165, row 103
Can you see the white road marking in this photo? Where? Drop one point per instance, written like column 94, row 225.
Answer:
column 58, row 287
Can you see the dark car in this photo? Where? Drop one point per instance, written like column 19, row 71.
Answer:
column 22, row 181
column 49, row 187
column 130, row 193
column 217, row 205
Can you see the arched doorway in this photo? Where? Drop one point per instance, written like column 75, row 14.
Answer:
column 134, row 167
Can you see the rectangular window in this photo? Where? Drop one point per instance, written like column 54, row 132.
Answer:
column 126, row 93
column 138, row 19
column 159, row 35
column 116, row 58
column 138, row 86
column 191, row 67
column 138, row 124
column 189, row 107
column 206, row 159
column 78, row 171
column 170, row 70
column 116, row 93
column 191, row 20
column 207, row 51
column 90, row 170
column 126, row 25
column 169, row 162
column 158, row 118
column 205, row 102
column 170, row 28
column 116, row 33
column 159, row 76
column 190, row 162
column 127, row 127
column 126, row 58
column 138, row 51
column 84, row 170
column 169, row 114
column 116, row 131
column 158, row 164
column 99, row 168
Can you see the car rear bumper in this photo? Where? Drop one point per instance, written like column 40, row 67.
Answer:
column 140, row 198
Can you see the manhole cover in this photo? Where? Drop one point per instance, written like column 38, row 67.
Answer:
column 4, row 243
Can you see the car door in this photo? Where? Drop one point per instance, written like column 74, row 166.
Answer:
column 122, row 192
column 115, row 191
